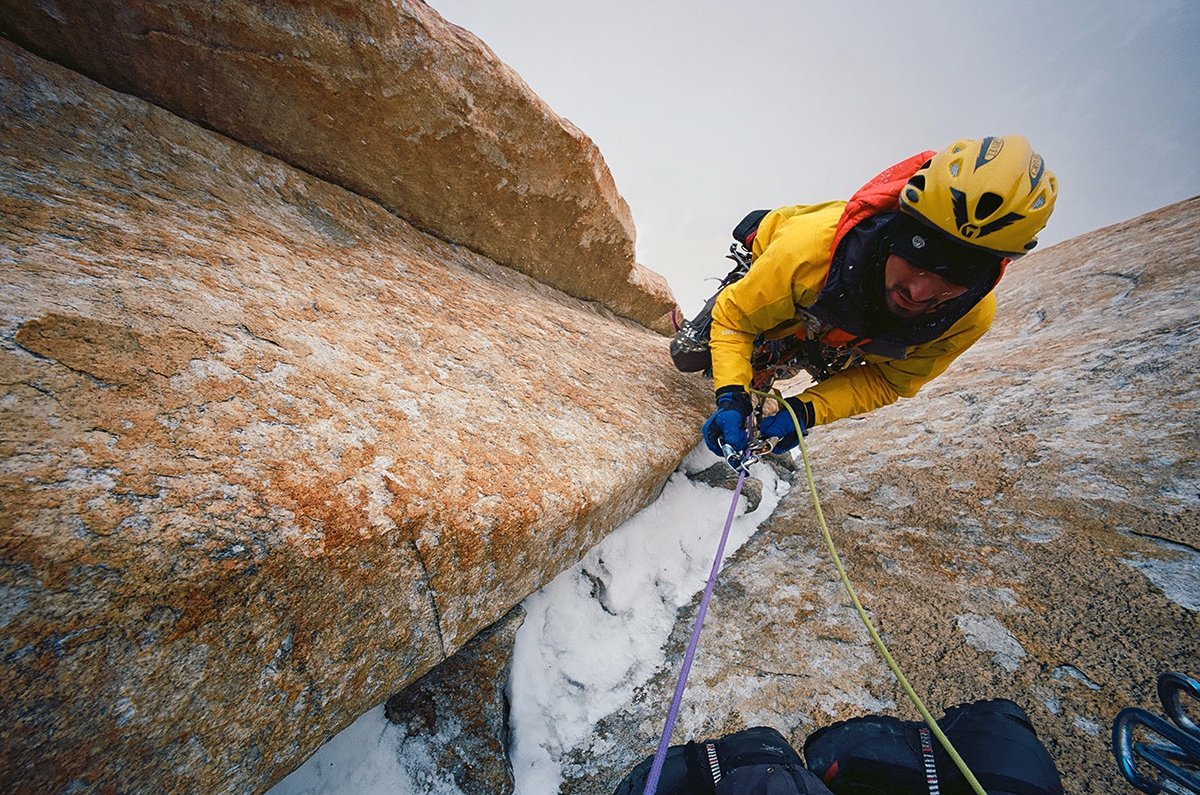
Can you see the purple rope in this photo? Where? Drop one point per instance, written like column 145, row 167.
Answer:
column 661, row 754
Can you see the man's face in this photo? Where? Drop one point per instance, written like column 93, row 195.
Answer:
column 912, row 292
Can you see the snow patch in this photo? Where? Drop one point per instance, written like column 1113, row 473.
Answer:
column 370, row 757
column 590, row 638
column 596, row 633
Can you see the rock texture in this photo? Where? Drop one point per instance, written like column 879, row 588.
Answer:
column 269, row 453
column 1029, row 528
column 462, row 703
column 386, row 99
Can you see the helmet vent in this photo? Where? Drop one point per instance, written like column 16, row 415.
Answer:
column 1039, row 202
column 954, row 169
column 988, row 203
column 917, row 182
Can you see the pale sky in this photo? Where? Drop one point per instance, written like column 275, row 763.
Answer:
column 707, row 109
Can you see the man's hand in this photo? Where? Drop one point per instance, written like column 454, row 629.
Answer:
column 780, row 425
column 728, row 422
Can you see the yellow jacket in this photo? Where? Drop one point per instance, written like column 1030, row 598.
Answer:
column 792, row 253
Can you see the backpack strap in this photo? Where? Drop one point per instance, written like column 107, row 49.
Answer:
column 703, row 770
column 882, row 193
column 747, row 228
column 714, row 765
column 931, row 776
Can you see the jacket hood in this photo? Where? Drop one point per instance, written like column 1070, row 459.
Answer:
column 853, row 296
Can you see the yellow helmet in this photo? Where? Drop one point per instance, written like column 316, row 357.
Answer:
column 991, row 193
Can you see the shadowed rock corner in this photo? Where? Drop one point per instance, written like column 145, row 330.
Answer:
column 462, row 703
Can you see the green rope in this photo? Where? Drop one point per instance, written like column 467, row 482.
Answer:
column 887, row 656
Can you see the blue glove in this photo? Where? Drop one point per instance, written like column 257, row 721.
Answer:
column 728, row 422
column 780, row 425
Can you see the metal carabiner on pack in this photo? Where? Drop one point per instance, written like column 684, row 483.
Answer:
column 1179, row 758
column 1171, row 686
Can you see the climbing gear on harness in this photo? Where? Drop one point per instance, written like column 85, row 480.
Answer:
column 727, row 425
column 779, row 425
column 819, row 350
column 862, row 613
column 689, row 346
column 1178, row 759
column 992, row 193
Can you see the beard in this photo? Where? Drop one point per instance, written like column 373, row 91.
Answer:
column 901, row 304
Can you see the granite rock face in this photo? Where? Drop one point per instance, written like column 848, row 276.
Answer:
column 386, row 99
column 1027, row 528
column 269, row 452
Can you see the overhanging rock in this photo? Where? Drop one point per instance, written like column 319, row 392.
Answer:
column 386, row 99
column 269, row 453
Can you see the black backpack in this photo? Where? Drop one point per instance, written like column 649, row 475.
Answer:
column 756, row 760
column 876, row 755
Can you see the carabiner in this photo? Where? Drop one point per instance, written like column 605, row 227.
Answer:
column 1171, row 686
column 736, row 459
column 1176, row 762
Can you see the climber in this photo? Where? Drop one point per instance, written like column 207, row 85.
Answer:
column 874, row 297
column 872, row 754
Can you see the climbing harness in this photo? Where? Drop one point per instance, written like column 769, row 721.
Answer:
column 743, row 463
column 819, row 349
column 1178, row 759
column 810, row 350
